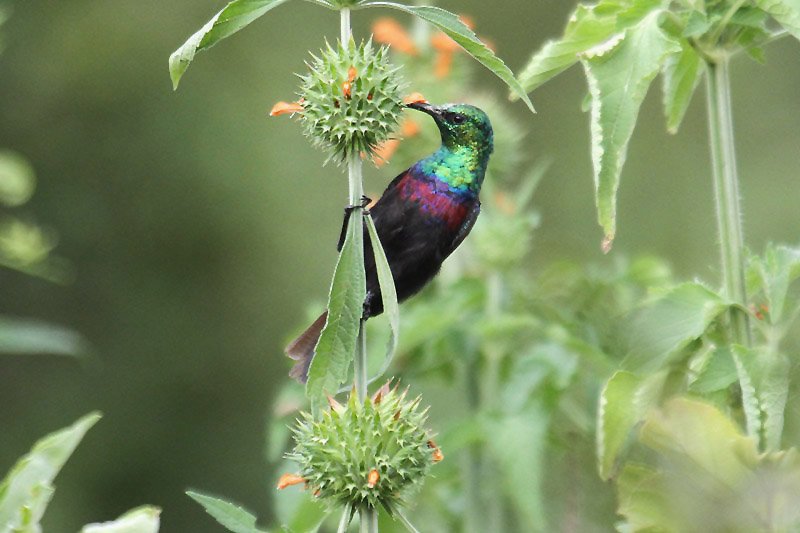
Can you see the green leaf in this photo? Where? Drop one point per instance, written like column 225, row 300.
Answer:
column 17, row 179
column 235, row 16
column 466, row 38
column 585, row 30
column 33, row 511
column 661, row 328
column 145, row 519
column 25, row 336
column 695, row 430
column 518, row 442
column 717, row 372
column 232, row 517
column 619, row 73
column 27, row 487
column 706, row 474
column 345, row 307
column 643, row 499
column 616, row 417
column 786, row 12
column 772, row 275
column 388, row 293
column 681, row 74
column 764, row 378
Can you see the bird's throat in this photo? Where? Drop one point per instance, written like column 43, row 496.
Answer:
column 462, row 168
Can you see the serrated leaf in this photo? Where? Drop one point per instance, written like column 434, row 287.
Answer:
column 619, row 73
column 23, row 488
column 26, row 336
column 585, row 30
column 235, row 16
column 668, row 323
column 616, row 417
column 388, row 293
column 145, row 519
column 786, row 12
column 232, row 517
column 450, row 24
column 337, row 343
column 764, row 378
column 682, row 73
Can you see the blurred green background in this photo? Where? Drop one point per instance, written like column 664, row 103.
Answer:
column 200, row 229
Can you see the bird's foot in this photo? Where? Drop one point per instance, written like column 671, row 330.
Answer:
column 365, row 201
column 347, row 212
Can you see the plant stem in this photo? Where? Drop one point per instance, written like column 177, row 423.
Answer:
column 369, row 520
column 344, row 522
column 726, row 191
column 345, row 25
column 403, row 520
column 360, row 363
column 360, row 356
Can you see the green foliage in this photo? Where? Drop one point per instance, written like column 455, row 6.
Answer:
column 388, row 293
column 17, row 179
column 140, row 520
column 351, row 100
column 707, row 476
column 337, row 344
column 235, row 16
column 624, row 44
column 232, row 517
column 465, row 37
column 676, row 337
column 27, row 488
column 787, row 12
column 239, row 13
column 25, row 336
column 668, row 323
column 619, row 73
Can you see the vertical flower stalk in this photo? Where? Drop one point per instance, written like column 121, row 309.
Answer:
column 726, row 192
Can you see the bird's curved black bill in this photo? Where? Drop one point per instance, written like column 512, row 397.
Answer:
column 425, row 108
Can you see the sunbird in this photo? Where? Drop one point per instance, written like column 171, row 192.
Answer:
column 421, row 218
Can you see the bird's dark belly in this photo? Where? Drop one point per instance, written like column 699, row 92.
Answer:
column 415, row 254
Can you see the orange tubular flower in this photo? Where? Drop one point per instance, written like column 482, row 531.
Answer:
column 282, row 108
column 415, row 98
column 287, row 480
column 445, row 47
column 373, row 478
column 388, row 31
column 437, row 452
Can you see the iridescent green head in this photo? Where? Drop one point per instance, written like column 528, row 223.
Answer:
column 467, row 142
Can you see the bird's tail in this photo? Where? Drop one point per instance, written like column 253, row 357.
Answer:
column 302, row 348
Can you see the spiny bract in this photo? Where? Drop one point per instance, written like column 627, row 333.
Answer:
column 338, row 452
column 351, row 99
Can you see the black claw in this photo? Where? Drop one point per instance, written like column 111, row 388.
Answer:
column 365, row 201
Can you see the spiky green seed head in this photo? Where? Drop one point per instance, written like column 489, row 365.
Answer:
column 351, row 99
column 339, row 451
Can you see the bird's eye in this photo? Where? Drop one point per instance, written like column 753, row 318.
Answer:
column 459, row 118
